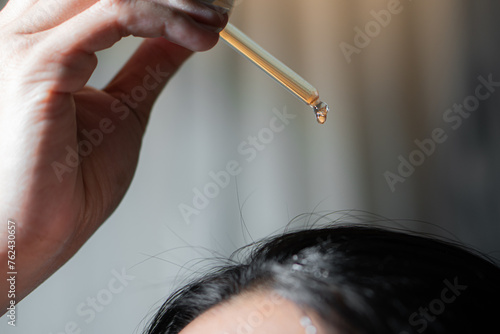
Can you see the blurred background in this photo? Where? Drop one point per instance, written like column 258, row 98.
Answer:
column 397, row 144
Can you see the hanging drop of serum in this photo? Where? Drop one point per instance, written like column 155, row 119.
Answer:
column 321, row 110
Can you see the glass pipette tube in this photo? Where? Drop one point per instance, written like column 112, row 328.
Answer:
column 276, row 69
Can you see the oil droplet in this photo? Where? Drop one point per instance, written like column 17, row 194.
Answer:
column 320, row 118
column 321, row 109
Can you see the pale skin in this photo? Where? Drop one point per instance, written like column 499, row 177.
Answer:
column 261, row 312
column 47, row 57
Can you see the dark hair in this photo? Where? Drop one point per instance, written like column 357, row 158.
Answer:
column 358, row 280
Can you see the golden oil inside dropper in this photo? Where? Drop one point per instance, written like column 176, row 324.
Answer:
column 276, row 69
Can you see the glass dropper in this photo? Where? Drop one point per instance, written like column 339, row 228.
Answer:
column 276, row 69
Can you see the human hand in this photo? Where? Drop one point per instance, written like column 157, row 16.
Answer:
column 69, row 151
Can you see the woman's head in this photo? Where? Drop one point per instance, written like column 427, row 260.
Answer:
column 341, row 280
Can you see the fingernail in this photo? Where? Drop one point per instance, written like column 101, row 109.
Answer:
column 220, row 6
column 210, row 28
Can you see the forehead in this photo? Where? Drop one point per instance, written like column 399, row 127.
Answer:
column 251, row 313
